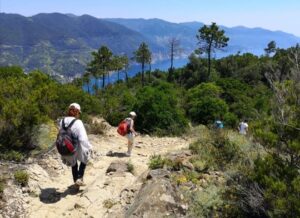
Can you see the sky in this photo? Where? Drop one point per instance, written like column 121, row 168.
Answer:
column 281, row 15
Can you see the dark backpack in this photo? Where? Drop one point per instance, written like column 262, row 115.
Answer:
column 66, row 142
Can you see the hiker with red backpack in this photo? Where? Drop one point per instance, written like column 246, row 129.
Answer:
column 126, row 128
column 73, row 144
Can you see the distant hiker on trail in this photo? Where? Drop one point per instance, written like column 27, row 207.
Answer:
column 131, row 132
column 78, row 143
column 219, row 124
column 243, row 127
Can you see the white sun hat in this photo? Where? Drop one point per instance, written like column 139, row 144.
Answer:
column 76, row 106
column 132, row 113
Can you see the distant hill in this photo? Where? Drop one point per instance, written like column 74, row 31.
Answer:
column 161, row 31
column 58, row 43
column 62, row 43
column 242, row 39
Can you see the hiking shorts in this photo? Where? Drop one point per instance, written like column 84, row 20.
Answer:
column 130, row 137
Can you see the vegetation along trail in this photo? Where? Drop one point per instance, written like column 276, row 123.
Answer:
column 102, row 193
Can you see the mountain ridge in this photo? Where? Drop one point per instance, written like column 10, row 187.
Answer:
column 242, row 39
column 59, row 43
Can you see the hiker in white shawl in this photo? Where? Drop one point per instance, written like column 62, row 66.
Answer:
column 84, row 149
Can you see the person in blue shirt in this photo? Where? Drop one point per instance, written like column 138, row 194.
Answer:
column 219, row 124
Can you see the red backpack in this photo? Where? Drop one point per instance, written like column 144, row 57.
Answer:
column 66, row 142
column 123, row 127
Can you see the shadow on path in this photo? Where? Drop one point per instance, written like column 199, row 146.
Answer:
column 51, row 195
column 116, row 154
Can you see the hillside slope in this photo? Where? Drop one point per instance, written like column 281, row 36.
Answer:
column 60, row 44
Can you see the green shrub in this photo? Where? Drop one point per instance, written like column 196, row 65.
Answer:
column 28, row 100
column 117, row 102
column 229, row 152
column 156, row 162
column 43, row 137
column 158, row 111
column 215, row 151
column 280, row 183
column 204, row 158
column 21, row 177
column 230, row 120
column 180, row 179
column 2, row 186
column 200, row 165
column 109, row 203
column 204, row 103
column 130, row 167
column 192, row 176
column 12, row 156
column 206, row 203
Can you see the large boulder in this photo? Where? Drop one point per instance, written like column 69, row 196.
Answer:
column 157, row 198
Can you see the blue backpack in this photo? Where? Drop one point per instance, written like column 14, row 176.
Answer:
column 219, row 124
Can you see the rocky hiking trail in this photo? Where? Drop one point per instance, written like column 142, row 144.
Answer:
column 106, row 194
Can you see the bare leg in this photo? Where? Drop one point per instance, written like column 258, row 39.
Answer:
column 130, row 146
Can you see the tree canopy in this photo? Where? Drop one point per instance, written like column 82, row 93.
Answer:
column 210, row 38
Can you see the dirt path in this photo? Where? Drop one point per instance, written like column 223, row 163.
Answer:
column 102, row 191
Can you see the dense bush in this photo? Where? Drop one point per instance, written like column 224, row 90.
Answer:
column 230, row 120
column 194, row 73
column 204, row 103
column 26, row 101
column 117, row 101
column 159, row 111
column 278, row 174
column 216, row 151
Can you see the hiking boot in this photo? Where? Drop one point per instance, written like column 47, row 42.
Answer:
column 79, row 182
column 127, row 154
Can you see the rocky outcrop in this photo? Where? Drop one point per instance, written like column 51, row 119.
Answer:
column 157, row 198
column 118, row 167
column 181, row 159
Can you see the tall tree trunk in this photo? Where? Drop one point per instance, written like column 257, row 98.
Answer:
column 96, row 83
column 103, row 80
column 209, row 65
column 149, row 72
column 171, row 68
column 88, row 85
column 126, row 76
column 143, row 68
column 209, row 60
column 172, row 56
